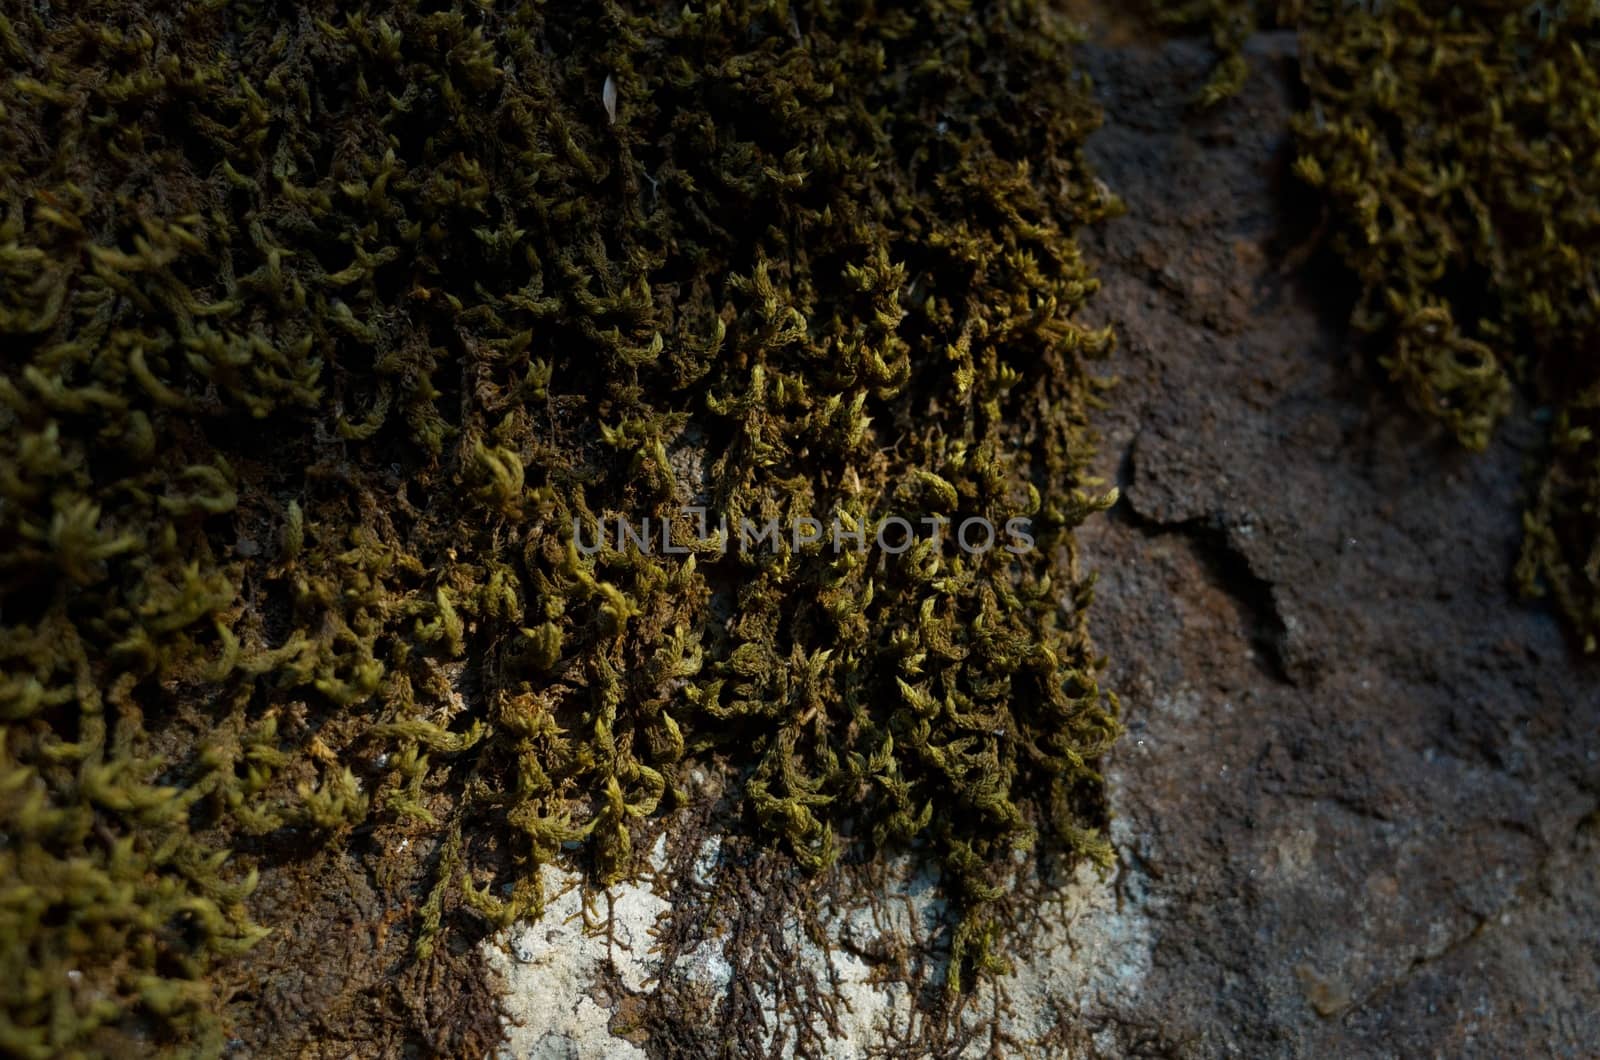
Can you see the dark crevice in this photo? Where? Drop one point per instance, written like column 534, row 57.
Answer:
column 1230, row 570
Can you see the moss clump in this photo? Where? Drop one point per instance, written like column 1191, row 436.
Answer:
column 1229, row 23
column 1448, row 142
column 1454, row 145
column 323, row 331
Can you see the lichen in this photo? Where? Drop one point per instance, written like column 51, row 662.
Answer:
column 323, row 330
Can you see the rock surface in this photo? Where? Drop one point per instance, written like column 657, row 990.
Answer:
column 1356, row 804
column 1360, row 776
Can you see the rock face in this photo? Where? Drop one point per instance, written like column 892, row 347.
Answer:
column 1356, row 804
column 1360, row 777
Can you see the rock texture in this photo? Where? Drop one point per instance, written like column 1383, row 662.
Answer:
column 1360, row 774
column 1356, row 805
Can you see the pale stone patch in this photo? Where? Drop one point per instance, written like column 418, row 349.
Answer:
column 552, row 969
column 1089, row 955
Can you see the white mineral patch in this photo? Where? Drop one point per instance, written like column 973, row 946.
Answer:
column 707, row 966
column 1086, row 956
column 1089, row 957
column 555, row 1006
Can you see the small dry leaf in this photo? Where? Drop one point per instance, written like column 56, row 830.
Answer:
column 608, row 96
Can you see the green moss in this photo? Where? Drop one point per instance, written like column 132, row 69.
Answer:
column 1454, row 145
column 324, row 330
column 1229, row 23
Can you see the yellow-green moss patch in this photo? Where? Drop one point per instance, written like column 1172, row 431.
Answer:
column 323, row 326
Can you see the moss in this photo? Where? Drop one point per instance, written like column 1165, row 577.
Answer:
column 1229, row 24
column 325, row 331
column 1453, row 145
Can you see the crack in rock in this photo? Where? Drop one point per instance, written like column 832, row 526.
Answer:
column 1211, row 538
